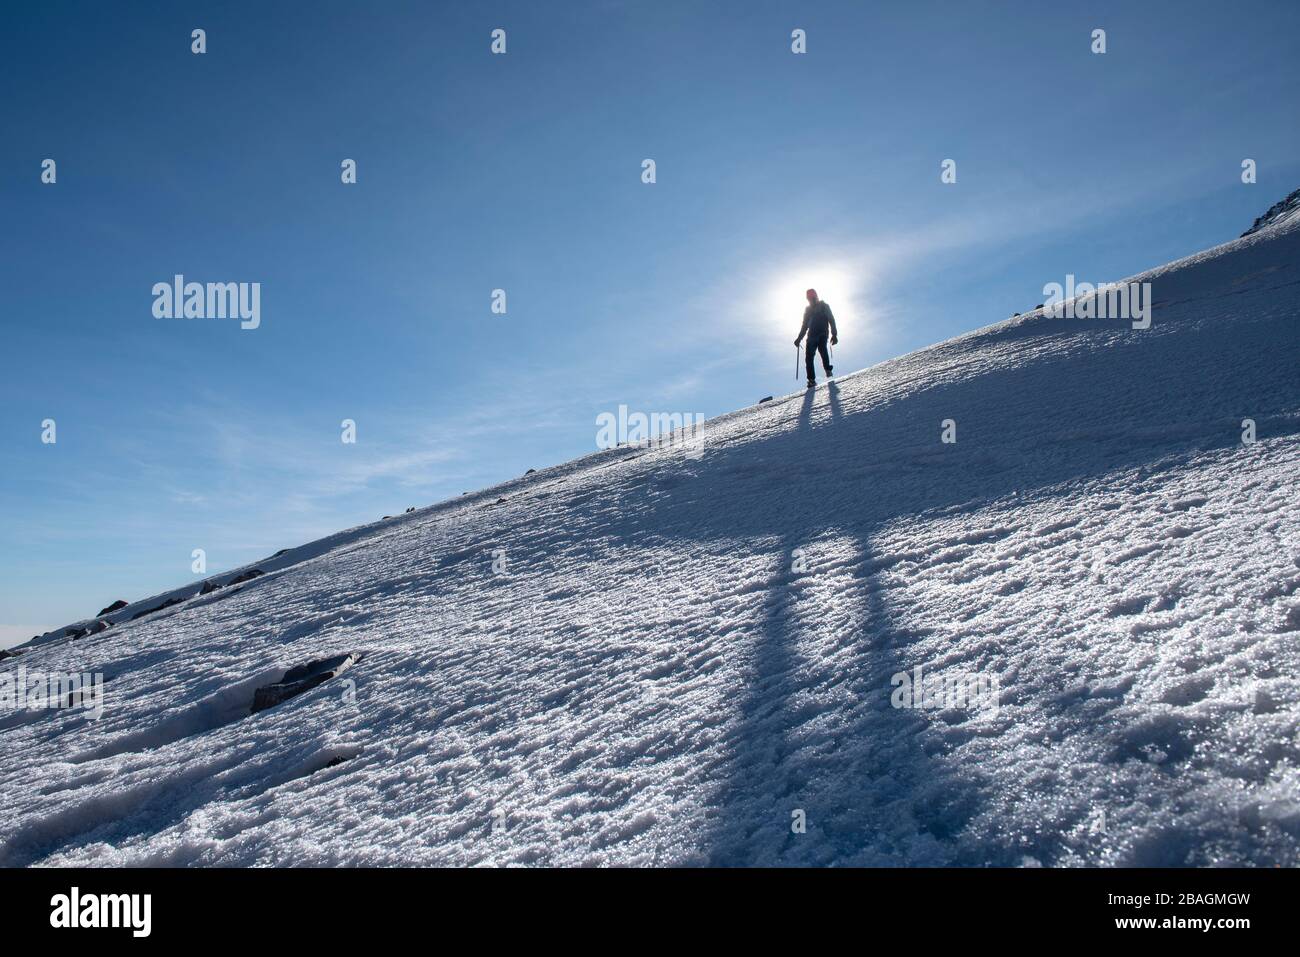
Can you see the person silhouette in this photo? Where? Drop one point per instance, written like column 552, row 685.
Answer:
column 818, row 320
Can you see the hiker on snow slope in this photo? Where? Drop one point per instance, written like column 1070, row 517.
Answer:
column 817, row 321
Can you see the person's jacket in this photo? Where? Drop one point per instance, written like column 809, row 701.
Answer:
column 816, row 319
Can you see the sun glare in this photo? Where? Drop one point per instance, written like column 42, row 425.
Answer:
column 783, row 304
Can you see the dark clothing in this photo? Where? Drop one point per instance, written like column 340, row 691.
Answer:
column 817, row 322
column 817, row 319
column 815, row 346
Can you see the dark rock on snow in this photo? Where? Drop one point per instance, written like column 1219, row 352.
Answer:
column 149, row 611
column 116, row 606
column 766, row 398
column 209, row 586
column 301, row 678
column 1275, row 211
column 247, row 576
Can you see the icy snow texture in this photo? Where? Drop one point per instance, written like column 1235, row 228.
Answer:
column 651, row 681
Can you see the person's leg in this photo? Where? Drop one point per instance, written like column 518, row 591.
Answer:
column 826, row 359
column 809, row 352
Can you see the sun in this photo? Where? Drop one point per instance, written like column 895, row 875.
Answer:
column 784, row 301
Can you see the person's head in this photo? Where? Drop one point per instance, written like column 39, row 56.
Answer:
column 812, row 295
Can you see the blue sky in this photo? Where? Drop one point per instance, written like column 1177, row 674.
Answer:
column 775, row 171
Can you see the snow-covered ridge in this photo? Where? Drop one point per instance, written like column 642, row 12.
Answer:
column 1284, row 213
column 1279, row 214
column 641, row 657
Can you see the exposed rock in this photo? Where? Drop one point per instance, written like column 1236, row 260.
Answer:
column 247, row 576
column 301, row 678
column 530, row 471
column 1276, row 212
column 279, row 553
column 13, row 653
column 99, row 626
column 116, row 606
column 209, row 586
column 766, row 398
column 410, row 510
column 72, row 634
column 149, row 611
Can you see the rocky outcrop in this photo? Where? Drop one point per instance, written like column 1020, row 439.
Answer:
column 301, row 678
column 149, row 611
column 116, row 606
column 212, row 584
column 1278, row 211
column 247, row 576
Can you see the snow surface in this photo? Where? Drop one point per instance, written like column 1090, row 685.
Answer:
column 653, row 682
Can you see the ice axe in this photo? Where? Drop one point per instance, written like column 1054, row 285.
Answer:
column 797, row 350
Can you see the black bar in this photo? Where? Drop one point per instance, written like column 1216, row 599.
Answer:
column 332, row 907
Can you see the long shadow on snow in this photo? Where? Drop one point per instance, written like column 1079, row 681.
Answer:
column 873, row 787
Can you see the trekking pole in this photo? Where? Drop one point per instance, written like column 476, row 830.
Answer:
column 797, row 350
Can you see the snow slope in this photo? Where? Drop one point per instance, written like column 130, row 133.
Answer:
column 683, row 653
